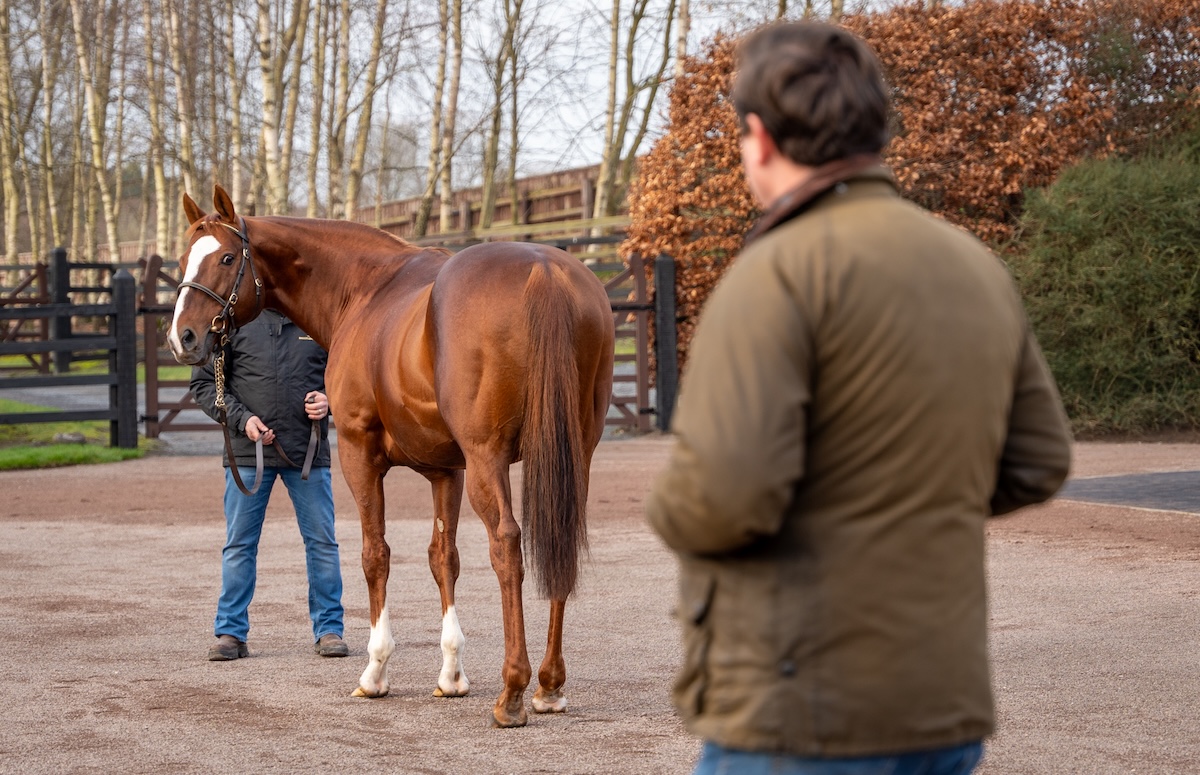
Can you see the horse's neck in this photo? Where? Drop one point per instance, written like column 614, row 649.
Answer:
column 308, row 275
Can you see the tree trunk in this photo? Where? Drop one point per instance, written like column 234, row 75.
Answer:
column 318, row 89
column 8, row 156
column 95, row 120
column 270, row 109
column 294, row 38
column 341, row 113
column 50, row 67
column 164, row 244
column 451, row 114
column 184, row 96
column 233, row 77
column 491, row 151
column 421, row 222
column 681, row 34
column 362, row 133
column 630, row 161
column 608, row 160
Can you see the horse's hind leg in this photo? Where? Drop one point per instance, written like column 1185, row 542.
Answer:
column 491, row 497
column 553, row 673
column 443, row 562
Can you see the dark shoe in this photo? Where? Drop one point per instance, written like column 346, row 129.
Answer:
column 226, row 648
column 331, row 645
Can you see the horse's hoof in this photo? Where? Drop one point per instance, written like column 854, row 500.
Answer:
column 550, row 702
column 361, row 692
column 507, row 721
column 454, row 692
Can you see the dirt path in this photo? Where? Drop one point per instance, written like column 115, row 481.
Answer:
column 108, row 577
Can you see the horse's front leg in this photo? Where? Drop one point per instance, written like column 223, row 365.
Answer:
column 366, row 483
column 444, row 563
column 552, row 675
column 488, row 489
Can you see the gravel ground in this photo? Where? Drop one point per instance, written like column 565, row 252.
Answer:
column 109, row 573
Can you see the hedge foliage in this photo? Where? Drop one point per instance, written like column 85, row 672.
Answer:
column 991, row 98
column 1108, row 265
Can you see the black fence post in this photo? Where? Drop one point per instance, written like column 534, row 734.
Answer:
column 60, row 293
column 122, row 396
column 666, row 351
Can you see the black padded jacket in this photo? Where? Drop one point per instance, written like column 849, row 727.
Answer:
column 270, row 365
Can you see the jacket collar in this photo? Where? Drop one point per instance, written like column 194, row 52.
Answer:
column 824, row 178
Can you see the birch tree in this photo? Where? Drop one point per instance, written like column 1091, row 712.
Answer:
column 8, row 153
column 451, row 114
column 339, row 111
column 49, row 32
column 157, row 142
column 95, row 115
column 500, row 69
column 421, row 221
column 616, row 166
column 184, row 96
column 363, row 131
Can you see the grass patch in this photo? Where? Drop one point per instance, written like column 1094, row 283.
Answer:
column 53, row 455
column 16, row 363
column 33, row 445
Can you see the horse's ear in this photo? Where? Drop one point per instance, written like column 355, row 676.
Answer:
column 224, row 204
column 191, row 209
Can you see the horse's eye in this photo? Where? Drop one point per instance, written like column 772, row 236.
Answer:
column 227, row 259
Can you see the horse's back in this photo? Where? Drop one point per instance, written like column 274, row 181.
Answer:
column 489, row 305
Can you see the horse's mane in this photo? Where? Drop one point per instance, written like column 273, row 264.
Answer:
column 384, row 241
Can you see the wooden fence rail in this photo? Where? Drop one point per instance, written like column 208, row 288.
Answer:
column 119, row 344
column 151, row 307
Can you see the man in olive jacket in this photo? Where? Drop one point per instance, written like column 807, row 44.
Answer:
column 862, row 392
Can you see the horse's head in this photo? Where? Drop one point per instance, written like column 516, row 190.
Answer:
column 221, row 288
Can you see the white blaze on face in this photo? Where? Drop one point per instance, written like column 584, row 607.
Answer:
column 201, row 249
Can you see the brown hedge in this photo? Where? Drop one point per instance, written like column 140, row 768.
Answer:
column 990, row 99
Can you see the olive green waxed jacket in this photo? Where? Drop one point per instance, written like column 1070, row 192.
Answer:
column 862, row 392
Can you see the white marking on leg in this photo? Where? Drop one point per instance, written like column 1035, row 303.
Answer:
column 452, row 682
column 201, row 249
column 373, row 682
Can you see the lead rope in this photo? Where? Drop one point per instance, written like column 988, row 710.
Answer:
column 314, row 437
column 223, row 418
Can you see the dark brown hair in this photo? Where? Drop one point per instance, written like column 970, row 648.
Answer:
column 818, row 89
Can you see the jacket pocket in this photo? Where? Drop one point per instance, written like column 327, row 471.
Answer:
column 695, row 600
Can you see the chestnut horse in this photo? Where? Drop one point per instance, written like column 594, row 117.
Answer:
column 454, row 365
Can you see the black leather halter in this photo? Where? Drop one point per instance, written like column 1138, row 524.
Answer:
column 224, row 323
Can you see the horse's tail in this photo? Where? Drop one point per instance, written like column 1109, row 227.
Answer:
column 555, row 482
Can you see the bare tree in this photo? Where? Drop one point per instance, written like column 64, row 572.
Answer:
column 499, row 67
column 317, row 77
column 233, row 107
column 363, row 131
column 96, row 112
column 420, row 223
column 683, row 27
column 184, row 96
column 8, row 151
column 614, row 173
column 157, row 148
column 340, row 111
column 451, row 114
column 293, row 38
column 48, row 31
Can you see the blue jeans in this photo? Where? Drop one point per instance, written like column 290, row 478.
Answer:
column 313, row 502
column 959, row 760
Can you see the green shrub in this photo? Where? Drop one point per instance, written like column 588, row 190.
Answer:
column 1109, row 258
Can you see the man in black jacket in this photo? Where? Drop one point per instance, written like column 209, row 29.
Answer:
column 274, row 391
